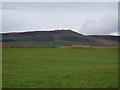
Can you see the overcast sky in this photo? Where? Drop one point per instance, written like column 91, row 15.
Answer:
column 88, row 18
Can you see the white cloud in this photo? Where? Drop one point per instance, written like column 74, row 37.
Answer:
column 115, row 34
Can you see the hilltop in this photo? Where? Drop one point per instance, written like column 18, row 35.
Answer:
column 57, row 38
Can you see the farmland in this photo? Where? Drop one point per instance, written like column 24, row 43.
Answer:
column 60, row 68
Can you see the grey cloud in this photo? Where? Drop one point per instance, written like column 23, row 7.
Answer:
column 11, row 24
column 0, row 18
column 106, row 25
column 45, row 16
column 68, row 6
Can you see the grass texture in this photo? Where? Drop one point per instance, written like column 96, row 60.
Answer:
column 59, row 68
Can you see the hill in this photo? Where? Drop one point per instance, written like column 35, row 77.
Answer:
column 56, row 38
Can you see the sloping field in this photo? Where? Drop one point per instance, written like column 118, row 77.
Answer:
column 60, row 68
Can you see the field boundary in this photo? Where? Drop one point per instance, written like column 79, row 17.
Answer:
column 91, row 47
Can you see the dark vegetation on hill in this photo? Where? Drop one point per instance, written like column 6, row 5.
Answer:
column 107, row 37
column 56, row 38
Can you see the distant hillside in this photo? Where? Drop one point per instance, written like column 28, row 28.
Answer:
column 56, row 38
column 107, row 37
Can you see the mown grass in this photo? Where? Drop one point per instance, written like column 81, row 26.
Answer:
column 60, row 68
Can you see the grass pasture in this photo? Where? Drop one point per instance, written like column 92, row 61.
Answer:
column 60, row 68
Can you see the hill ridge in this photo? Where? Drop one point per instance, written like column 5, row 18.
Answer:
column 67, row 37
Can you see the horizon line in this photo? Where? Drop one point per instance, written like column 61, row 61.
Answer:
column 56, row 30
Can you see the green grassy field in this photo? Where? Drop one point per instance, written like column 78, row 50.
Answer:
column 60, row 68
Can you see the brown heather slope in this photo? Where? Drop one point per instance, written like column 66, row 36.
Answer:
column 68, row 37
